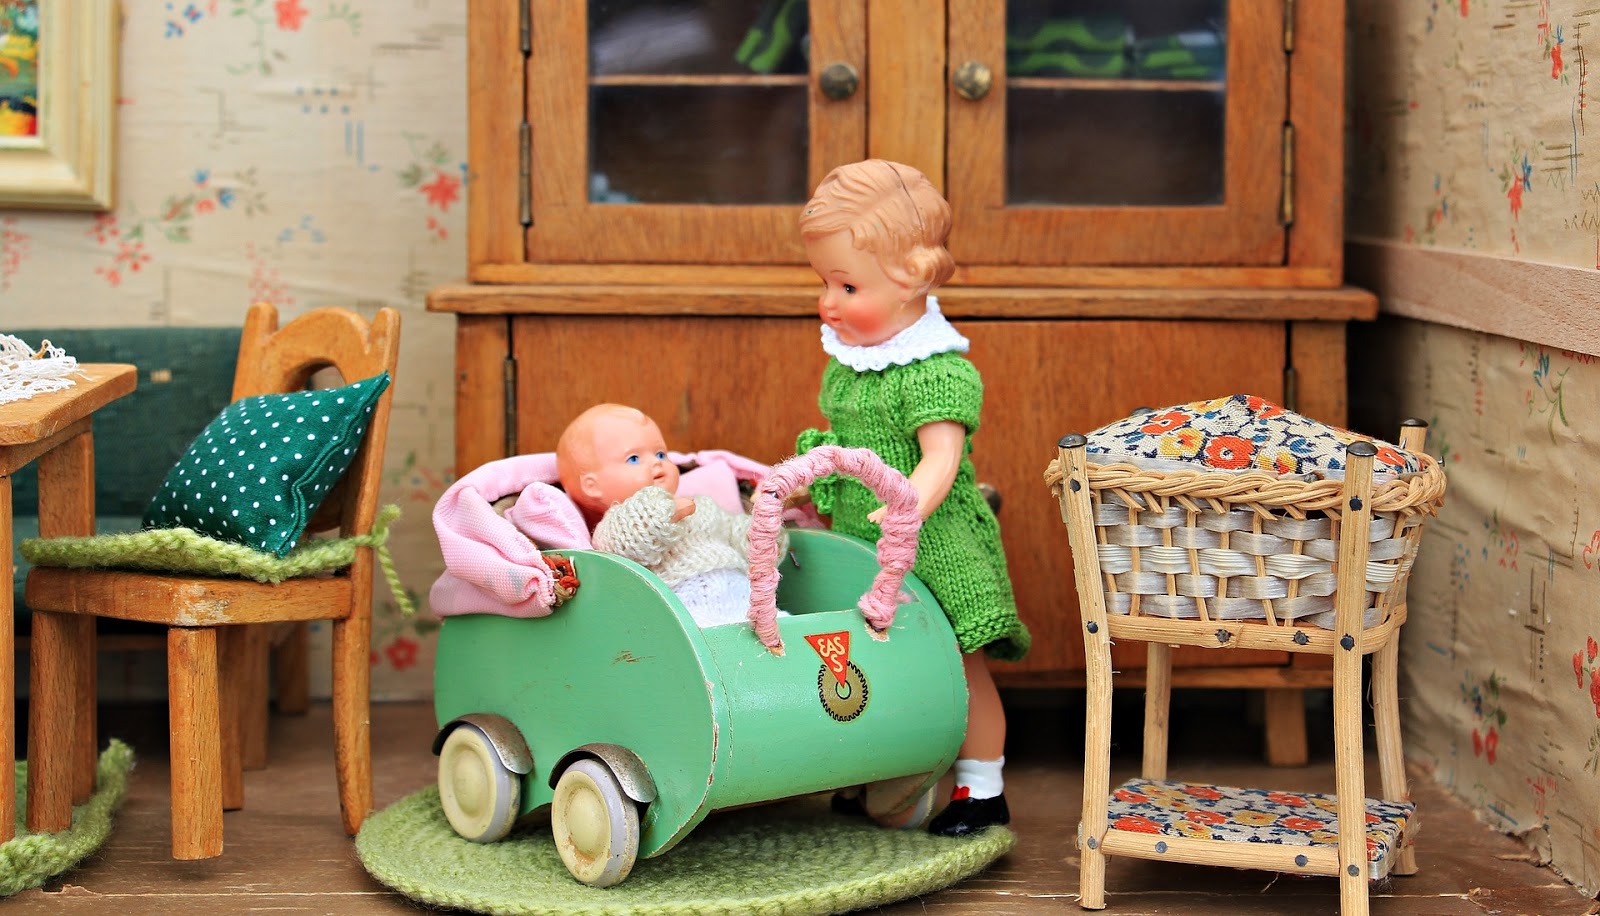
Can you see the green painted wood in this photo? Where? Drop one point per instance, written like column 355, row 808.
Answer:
column 717, row 720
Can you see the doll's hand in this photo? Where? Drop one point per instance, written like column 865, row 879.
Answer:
column 876, row 515
column 685, row 508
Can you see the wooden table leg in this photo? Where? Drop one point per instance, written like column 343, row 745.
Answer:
column 66, row 507
column 8, row 674
column 52, row 689
column 1286, row 727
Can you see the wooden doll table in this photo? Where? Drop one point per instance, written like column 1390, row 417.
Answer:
column 55, row 430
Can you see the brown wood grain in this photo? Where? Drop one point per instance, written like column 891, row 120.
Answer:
column 1317, row 110
column 906, row 44
column 178, row 601
column 66, row 507
column 44, row 415
column 495, row 77
column 1246, row 304
column 1244, row 229
column 746, row 385
column 1285, row 729
column 568, row 228
column 233, row 650
column 194, row 707
column 483, row 344
column 8, row 673
column 1317, row 353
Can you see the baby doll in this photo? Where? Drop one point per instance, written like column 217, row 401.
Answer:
column 898, row 384
column 612, row 461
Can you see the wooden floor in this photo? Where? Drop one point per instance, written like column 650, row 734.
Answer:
column 286, row 852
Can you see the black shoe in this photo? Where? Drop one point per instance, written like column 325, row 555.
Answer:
column 966, row 816
column 848, row 805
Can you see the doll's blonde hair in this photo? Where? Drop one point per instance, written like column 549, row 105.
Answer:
column 890, row 210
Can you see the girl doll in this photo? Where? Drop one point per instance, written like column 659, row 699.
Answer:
column 898, row 384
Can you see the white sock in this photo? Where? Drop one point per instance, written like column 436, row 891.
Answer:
column 981, row 778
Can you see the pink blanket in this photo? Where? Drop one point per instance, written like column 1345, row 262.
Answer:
column 493, row 564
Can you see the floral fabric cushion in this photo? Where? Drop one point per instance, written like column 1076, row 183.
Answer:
column 1238, row 434
column 259, row 471
column 1206, row 812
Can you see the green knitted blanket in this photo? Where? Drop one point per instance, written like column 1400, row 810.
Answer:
column 794, row 858
column 184, row 551
column 30, row 859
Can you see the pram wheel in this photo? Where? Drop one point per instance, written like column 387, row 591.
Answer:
column 596, row 825
column 478, row 793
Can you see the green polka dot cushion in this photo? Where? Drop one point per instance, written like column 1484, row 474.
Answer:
column 1238, row 434
column 257, row 473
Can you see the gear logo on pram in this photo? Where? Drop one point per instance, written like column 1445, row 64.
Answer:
column 840, row 684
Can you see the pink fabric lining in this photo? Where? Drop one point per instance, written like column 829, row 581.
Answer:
column 493, row 564
column 897, row 549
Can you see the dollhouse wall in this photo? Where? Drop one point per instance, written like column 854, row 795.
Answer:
column 304, row 152
column 1474, row 202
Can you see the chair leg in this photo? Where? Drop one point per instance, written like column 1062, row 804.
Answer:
column 291, row 670
column 1391, row 753
column 233, row 647
column 1157, row 706
column 1286, row 727
column 85, row 742
column 193, row 704
column 352, row 726
column 255, row 681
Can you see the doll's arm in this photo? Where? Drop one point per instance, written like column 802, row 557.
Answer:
column 732, row 528
column 641, row 527
column 942, row 444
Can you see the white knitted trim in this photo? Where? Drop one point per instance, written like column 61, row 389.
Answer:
column 24, row 374
column 929, row 336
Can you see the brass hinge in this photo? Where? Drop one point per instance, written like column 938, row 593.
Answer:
column 1286, row 205
column 1291, row 389
column 1288, row 25
column 509, row 399
column 525, row 25
column 525, row 174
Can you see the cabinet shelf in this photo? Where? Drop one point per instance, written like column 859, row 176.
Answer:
column 1084, row 84
column 699, row 79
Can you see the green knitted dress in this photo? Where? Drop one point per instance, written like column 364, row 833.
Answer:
column 959, row 555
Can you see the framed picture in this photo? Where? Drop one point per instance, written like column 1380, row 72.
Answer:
column 58, row 97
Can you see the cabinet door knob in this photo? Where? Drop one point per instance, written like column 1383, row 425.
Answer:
column 839, row 81
column 972, row 80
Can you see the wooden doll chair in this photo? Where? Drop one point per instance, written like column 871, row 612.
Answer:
column 208, row 646
column 1254, row 561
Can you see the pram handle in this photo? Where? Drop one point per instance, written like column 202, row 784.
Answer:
column 897, row 549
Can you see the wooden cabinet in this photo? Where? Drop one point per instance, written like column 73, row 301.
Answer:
column 1147, row 211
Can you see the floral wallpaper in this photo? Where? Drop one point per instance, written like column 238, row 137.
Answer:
column 1469, row 131
column 303, row 152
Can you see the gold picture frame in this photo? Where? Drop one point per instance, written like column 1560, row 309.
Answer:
column 67, row 163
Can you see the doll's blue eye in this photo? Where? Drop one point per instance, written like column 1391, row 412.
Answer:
column 633, row 459
column 850, row 289
column 661, row 456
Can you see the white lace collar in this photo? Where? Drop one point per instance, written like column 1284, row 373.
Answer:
column 930, row 335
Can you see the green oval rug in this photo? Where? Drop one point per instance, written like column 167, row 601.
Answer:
column 795, row 858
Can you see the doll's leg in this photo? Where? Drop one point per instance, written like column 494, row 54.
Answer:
column 979, row 799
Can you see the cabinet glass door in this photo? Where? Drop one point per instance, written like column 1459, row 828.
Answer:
column 1117, row 132
column 688, row 130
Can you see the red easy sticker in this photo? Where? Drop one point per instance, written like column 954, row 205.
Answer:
column 835, row 651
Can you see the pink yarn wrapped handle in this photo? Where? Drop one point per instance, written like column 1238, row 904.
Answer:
column 897, row 549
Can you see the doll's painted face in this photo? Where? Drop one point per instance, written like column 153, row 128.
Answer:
column 862, row 304
column 627, row 454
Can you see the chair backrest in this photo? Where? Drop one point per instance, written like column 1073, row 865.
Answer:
column 280, row 360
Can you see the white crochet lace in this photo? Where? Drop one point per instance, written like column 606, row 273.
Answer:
column 930, row 335
column 25, row 372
